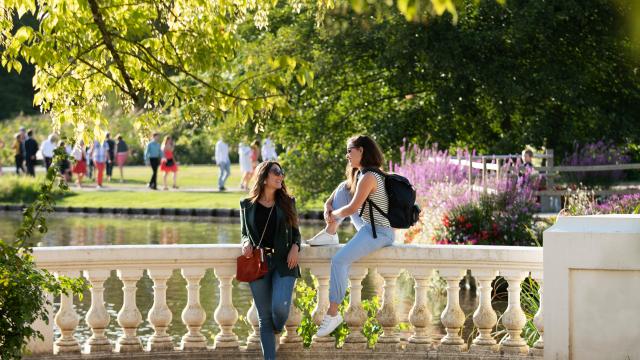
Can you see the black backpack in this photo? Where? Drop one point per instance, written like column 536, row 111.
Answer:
column 403, row 210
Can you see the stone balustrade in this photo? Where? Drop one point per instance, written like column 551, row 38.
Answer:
column 452, row 263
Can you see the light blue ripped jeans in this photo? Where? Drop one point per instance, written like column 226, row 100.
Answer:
column 361, row 245
column 272, row 296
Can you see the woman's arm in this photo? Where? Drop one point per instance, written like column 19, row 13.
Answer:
column 247, row 245
column 366, row 185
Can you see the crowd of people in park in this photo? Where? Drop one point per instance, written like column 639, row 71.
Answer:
column 81, row 160
column 97, row 159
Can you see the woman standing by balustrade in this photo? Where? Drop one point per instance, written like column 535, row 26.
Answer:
column 269, row 220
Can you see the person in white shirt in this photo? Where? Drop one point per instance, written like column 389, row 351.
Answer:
column 269, row 151
column 223, row 162
column 246, row 167
column 48, row 147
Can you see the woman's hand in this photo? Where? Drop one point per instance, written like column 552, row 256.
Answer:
column 327, row 214
column 247, row 250
column 292, row 258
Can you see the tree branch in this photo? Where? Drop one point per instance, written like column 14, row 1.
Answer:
column 106, row 38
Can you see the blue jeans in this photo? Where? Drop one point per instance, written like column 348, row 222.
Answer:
column 225, row 171
column 362, row 244
column 342, row 197
column 272, row 296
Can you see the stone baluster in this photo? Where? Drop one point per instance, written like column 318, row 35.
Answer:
column 514, row 318
column 322, row 273
column 67, row 320
column 420, row 315
column 484, row 318
column 387, row 316
column 160, row 315
column 291, row 340
column 538, row 347
column 253, row 341
column 193, row 315
column 129, row 317
column 452, row 317
column 356, row 316
column 226, row 314
column 97, row 317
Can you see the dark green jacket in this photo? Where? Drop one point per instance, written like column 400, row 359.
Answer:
column 285, row 235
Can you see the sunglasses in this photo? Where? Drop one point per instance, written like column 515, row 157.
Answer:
column 276, row 171
column 350, row 148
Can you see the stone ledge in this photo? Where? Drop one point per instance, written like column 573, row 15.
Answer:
column 242, row 354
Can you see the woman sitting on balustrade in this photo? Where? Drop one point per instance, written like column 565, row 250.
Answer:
column 269, row 220
column 347, row 200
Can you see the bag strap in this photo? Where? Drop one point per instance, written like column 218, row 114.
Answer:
column 266, row 225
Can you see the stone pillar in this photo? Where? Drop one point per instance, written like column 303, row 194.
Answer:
column 253, row 341
column 538, row 320
column 420, row 315
column 97, row 317
column 484, row 318
column 322, row 273
column 387, row 316
column 193, row 315
column 452, row 317
column 355, row 316
column 514, row 318
column 226, row 314
column 160, row 315
column 67, row 320
column 129, row 316
column 291, row 340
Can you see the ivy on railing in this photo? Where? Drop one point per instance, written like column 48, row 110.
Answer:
column 23, row 286
column 306, row 301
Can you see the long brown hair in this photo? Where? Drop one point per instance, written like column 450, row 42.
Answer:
column 283, row 199
column 372, row 157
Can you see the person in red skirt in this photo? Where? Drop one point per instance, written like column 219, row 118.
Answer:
column 80, row 166
column 168, row 163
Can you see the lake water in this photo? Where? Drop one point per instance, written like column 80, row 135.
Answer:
column 79, row 230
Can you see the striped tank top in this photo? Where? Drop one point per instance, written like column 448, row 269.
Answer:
column 380, row 198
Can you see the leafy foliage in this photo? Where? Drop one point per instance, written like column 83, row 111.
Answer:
column 22, row 285
column 599, row 153
column 306, row 301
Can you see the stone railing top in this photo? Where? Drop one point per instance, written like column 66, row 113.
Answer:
column 612, row 223
column 58, row 258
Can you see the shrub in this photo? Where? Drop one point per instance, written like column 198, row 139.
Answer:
column 22, row 285
column 599, row 153
column 584, row 202
column 502, row 218
column 15, row 189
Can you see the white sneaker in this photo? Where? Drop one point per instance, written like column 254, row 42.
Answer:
column 329, row 323
column 323, row 238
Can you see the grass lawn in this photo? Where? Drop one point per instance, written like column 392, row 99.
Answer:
column 198, row 185
column 153, row 199
column 189, row 176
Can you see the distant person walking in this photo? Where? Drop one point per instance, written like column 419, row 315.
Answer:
column 100, row 156
column 122, row 153
column 18, row 154
column 79, row 153
column 223, row 162
column 169, row 163
column 31, row 149
column 268, row 151
column 152, row 156
column 112, row 155
column 246, row 167
column 48, row 147
column 255, row 155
